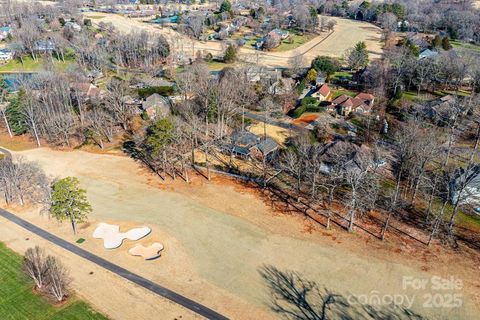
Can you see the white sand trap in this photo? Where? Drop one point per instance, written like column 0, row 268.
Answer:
column 148, row 253
column 113, row 238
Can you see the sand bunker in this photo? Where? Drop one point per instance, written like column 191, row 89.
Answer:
column 113, row 238
column 147, row 253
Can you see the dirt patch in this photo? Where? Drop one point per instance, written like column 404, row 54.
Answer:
column 306, row 119
column 276, row 133
column 16, row 143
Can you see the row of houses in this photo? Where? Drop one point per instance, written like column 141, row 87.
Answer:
column 40, row 46
column 227, row 28
column 154, row 106
column 362, row 103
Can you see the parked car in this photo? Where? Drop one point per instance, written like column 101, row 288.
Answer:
column 380, row 163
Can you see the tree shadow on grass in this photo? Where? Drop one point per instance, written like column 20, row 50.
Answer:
column 296, row 298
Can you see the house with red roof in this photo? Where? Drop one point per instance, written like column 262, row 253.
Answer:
column 361, row 104
column 323, row 93
column 368, row 98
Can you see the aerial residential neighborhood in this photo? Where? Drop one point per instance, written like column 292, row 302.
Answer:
column 239, row 159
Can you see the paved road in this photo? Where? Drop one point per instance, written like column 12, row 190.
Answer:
column 147, row 284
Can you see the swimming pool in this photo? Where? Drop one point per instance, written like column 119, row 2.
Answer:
column 13, row 80
column 172, row 19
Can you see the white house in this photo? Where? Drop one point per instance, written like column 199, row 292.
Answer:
column 73, row 26
column 465, row 186
column 6, row 55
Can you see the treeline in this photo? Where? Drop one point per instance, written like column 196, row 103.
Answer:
column 459, row 19
column 62, row 32
column 62, row 107
column 402, row 70
column 427, row 189
column 338, row 178
column 51, row 107
column 210, row 110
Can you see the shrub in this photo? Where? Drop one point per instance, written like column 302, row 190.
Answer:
column 209, row 57
column 230, row 54
column 326, row 65
column 299, row 111
column 161, row 90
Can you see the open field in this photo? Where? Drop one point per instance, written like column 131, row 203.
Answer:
column 218, row 235
column 18, row 301
column 295, row 41
column 465, row 46
column 29, row 65
column 347, row 33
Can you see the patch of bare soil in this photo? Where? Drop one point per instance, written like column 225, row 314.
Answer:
column 15, row 143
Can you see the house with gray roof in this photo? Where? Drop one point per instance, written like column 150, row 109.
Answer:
column 427, row 53
column 247, row 145
column 157, row 106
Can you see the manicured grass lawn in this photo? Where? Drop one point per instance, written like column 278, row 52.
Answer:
column 29, row 65
column 469, row 221
column 461, row 93
column 298, row 40
column 462, row 218
column 342, row 74
column 217, row 65
column 17, row 300
column 423, row 97
column 337, row 93
column 428, row 96
column 465, row 45
column 251, row 43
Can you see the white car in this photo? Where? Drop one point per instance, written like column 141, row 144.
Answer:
column 380, row 163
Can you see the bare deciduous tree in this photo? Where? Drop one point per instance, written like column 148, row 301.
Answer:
column 35, row 266
column 22, row 181
column 58, row 281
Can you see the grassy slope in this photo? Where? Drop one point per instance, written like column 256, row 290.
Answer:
column 465, row 45
column 297, row 41
column 29, row 65
column 285, row 45
column 17, row 300
column 339, row 92
column 17, row 143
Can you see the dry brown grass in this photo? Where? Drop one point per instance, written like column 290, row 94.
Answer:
column 17, row 143
column 276, row 133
